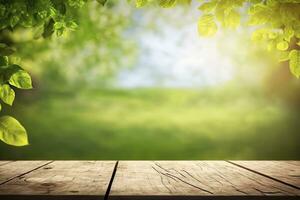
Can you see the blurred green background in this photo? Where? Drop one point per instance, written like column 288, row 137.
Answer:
column 140, row 84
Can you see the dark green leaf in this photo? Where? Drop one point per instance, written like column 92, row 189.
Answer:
column 3, row 60
column 48, row 29
column 6, row 50
column 102, row 2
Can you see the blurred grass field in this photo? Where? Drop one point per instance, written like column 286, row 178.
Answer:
column 155, row 124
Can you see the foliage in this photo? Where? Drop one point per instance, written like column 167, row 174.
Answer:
column 25, row 23
column 87, row 57
column 278, row 23
column 45, row 17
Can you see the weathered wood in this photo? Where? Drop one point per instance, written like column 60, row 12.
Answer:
column 285, row 171
column 4, row 162
column 191, row 180
column 11, row 170
column 62, row 180
column 149, row 180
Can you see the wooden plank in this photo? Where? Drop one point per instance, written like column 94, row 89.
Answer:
column 11, row 170
column 191, row 180
column 4, row 162
column 62, row 180
column 284, row 171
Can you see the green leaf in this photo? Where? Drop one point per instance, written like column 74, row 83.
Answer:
column 76, row 3
column 282, row 45
column 7, row 94
column 207, row 25
column 3, row 60
column 102, row 2
column 284, row 56
column 59, row 25
column 38, row 32
column 72, row 25
column 140, row 3
column 288, row 33
column 272, row 35
column 5, row 50
column 12, row 132
column 167, row 3
column 260, row 34
column 14, row 20
column 232, row 19
column 20, row 79
column 259, row 14
column 7, row 71
column 48, row 29
column 295, row 62
column 208, row 6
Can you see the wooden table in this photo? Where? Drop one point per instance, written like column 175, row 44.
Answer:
column 91, row 180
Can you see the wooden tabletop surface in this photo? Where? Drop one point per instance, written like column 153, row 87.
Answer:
column 91, row 180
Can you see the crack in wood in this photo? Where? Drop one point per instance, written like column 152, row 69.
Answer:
column 168, row 174
column 106, row 196
column 20, row 175
column 264, row 175
column 162, row 179
column 196, row 179
column 148, row 180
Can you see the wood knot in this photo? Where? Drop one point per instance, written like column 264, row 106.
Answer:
column 48, row 184
column 47, row 167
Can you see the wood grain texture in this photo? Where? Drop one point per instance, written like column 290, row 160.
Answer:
column 4, row 162
column 62, row 180
column 286, row 171
column 191, row 180
column 10, row 170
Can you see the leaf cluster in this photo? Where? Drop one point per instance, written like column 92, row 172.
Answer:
column 277, row 22
column 45, row 17
column 11, row 75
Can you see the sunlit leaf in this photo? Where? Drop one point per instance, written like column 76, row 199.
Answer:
column 7, row 94
column 12, row 132
column 208, row 6
column 76, row 3
column 140, row 3
column 259, row 14
column 282, row 45
column 20, row 79
column 207, row 26
column 72, row 25
column 284, row 56
column 167, row 3
column 232, row 19
column 288, row 33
